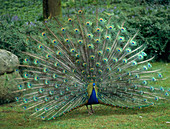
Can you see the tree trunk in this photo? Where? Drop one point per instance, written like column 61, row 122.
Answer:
column 51, row 8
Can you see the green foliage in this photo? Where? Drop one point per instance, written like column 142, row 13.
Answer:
column 18, row 15
column 154, row 29
column 81, row 3
column 157, row 1
column 6, row 89
column 13, row 34
column 27, row 10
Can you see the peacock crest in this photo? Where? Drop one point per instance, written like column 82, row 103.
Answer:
column 89, row 60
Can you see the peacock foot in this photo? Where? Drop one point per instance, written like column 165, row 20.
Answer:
column 90, row 113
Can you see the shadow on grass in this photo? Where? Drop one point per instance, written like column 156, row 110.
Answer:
column 108, row 111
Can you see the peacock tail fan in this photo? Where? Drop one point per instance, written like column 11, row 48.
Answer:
column 68, row 59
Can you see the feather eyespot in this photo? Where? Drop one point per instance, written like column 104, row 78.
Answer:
column 62, row 29
column 72, row 50
column 48, row 56
column 67, row 40
column 108, row 49
column 121, row 38
column 80, row 11
column 105, row 60
column 26, row 60
column 40, row 46
column 99, row 52
column 107, row 37
column 110, row 27
column 92, row 57
column 118, row 49
column 97, row 40
column 80, row 42
column 69, row 19
column 101, row 19
column 54, row 41
column 76, row 30
column 78, row 61
column 83, row 72
column 43, row 33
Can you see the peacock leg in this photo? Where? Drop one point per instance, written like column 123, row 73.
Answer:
column 88, row 110
column 92, row 111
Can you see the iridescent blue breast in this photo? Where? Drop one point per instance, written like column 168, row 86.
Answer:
column 93, row 99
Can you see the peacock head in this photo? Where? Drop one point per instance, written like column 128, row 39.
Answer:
column 93, row 85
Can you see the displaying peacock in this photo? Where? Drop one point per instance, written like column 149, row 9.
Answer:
column 89, row 60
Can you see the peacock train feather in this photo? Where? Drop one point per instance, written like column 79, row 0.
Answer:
column 89, row 60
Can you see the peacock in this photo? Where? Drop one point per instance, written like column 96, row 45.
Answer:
column 85, row 60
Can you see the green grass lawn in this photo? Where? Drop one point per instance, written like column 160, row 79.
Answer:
column 156, row 117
